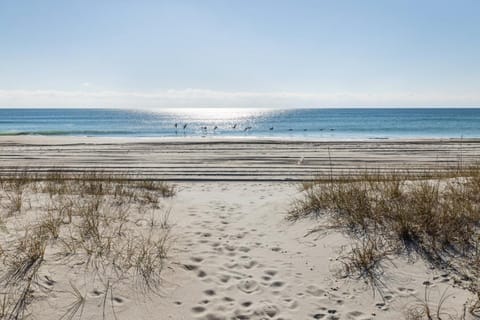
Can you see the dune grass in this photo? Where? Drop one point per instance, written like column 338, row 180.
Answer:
column 435, row 215
column 112, row 226
column 425, row 308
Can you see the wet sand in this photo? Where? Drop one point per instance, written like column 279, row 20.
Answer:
column 231, row 160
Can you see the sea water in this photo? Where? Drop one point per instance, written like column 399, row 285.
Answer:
column 330, row 124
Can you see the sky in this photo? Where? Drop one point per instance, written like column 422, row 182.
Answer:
column 239, row 53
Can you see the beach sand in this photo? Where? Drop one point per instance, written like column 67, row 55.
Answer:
column 231, row 159
column 233, row 254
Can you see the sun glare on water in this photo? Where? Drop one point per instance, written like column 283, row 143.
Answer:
column 218, row 113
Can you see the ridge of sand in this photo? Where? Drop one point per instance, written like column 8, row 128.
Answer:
column 231, row 159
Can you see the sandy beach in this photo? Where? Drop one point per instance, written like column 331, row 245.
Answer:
column 239, row 160
column 233, row 254
column 231, row 160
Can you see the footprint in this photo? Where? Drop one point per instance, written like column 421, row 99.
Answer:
column 49, row 282
column 246, row 304
column 118, row 300
column 315, row 291
column 241, row 315
column 270, row 310
column 388, row 298
column 190, row 267
column 224, row 278
column 196, row 259
column 271, row 273
column 277, row 284
column 198, row 309
column 250, row 264
column 356, row 315
column 248, row 286
column 405, row 291
column 231, row 265
column 229, row 247
column 96, row 293
column 209, row 292
column 290, row 303
column 381, row 306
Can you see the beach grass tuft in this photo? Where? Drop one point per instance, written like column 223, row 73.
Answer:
column 435, row 215
column 115, row 227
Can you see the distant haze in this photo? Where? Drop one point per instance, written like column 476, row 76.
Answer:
column 239, row 53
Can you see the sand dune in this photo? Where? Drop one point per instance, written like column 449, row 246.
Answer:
column 234, row 255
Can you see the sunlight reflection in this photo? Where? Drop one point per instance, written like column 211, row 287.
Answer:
column 211, row 114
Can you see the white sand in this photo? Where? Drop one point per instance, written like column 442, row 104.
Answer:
column 234, row 255
column 252, row 264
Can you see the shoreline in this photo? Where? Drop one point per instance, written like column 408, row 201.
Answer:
column 60, row 139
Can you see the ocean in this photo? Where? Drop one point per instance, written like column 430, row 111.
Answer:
column 328, row 124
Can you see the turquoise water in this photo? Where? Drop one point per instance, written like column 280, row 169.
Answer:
column 295, row 123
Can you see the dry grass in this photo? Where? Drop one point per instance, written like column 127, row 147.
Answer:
column 108, row 224
column 22, row 266
column 366, row 260
column 24, row 262
column 12, row 199
column 437, row 218
column 431, row 216
column 425, row 309
column 76, row 307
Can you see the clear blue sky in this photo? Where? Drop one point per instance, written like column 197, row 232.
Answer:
column 237, row 52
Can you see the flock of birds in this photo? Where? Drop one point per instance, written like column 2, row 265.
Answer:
column 234, row 127
column 205, row 128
